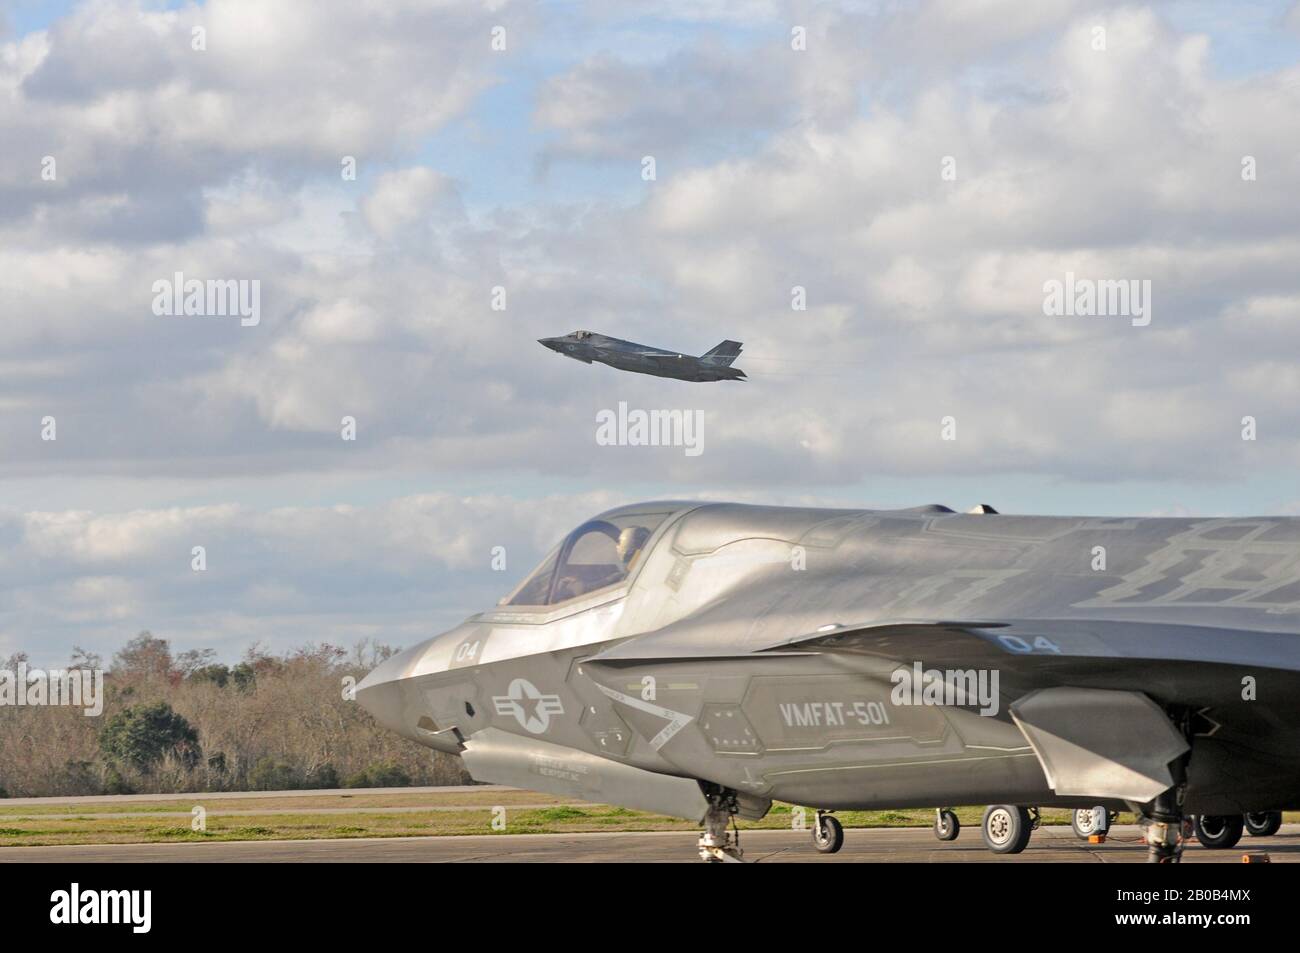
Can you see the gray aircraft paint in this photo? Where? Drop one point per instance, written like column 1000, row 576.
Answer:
column 730, row 632
column 588, row 346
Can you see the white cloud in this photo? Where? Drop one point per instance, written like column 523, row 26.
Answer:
column 89, row 578
column 405, row 198
column 819, row 169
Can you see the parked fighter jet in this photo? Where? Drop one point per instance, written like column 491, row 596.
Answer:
column 587, row 346
column 702, row 660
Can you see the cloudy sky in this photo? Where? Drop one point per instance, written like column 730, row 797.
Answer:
column 920, row 169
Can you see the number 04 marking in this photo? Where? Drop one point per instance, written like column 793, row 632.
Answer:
column 1041, row 644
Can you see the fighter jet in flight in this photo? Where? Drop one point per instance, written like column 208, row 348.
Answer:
column 703, row 660
column 588, row 346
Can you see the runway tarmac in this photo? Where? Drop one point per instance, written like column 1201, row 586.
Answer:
column 876, row 845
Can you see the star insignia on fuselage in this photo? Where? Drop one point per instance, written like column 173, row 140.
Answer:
column 528, row 706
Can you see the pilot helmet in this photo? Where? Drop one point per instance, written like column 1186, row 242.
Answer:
column 630, row 541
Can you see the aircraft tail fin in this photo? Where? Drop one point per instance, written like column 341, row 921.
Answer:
column 723, row 354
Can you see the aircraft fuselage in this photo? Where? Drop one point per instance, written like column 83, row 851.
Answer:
column 833, row 658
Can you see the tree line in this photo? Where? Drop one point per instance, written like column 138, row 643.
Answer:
column 184, row 722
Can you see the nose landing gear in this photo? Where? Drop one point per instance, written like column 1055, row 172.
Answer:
column 827, row 834
column 946, row 825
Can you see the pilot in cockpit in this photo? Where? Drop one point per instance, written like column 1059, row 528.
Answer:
column 628, row 546
column 601, row 552
column 631, row 541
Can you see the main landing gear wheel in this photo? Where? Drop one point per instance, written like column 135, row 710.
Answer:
column 827, row 834
column 1263, row 824
column 946, row 825
column 1219, row 831
column 1087, row 821
column 1007, row 828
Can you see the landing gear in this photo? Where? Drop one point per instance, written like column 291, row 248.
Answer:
column 1090, row 821
column 719, row 843
column 946, row 825
column 827, row 834
column 1166, row 831
column 1007, row 828
column 1219, row 831
column 1263, row 824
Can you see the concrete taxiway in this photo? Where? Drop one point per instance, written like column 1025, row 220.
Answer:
column 874, row 845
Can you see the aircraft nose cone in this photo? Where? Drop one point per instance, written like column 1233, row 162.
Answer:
column 552, row 343
column 383, row 699
column 381, row 692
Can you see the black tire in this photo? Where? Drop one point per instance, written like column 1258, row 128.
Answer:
column 1084, row 822
column 946, row 826
column 1006, row 828
column 828, row 834
column 1219, row 831
column 1263, row 824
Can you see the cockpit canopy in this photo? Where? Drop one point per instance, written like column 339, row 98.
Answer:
column 582, row 335
column 599, row 554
